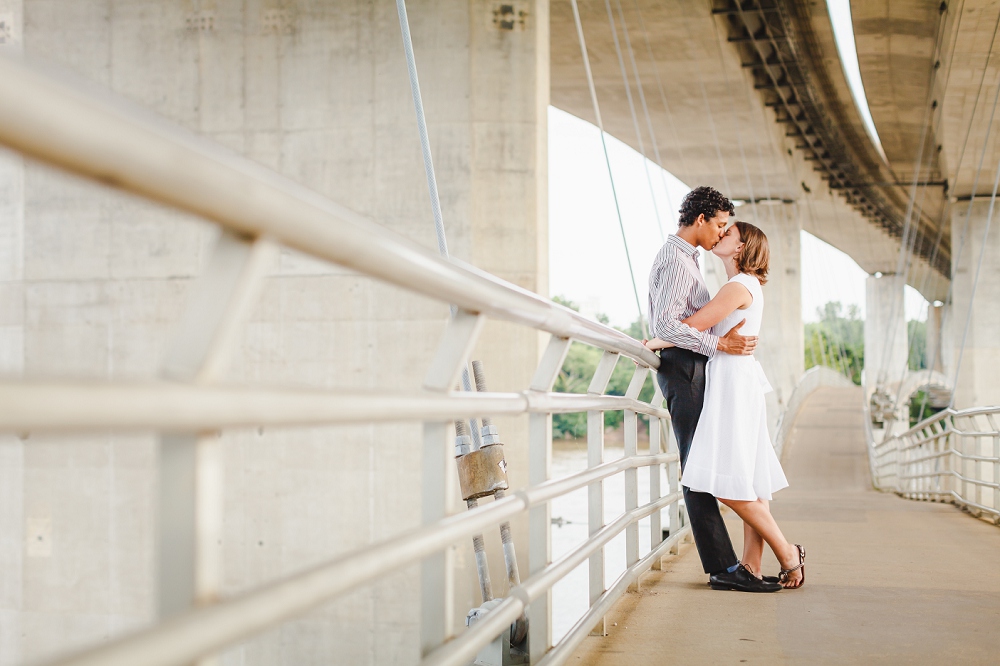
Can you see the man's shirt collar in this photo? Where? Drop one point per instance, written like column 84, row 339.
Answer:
column 684, row 246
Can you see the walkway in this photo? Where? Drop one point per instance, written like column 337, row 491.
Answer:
column 888, row 580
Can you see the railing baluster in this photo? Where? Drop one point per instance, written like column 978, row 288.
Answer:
column 595, row 493
column 655, row 447
column 673, row 486
column 631, row 426
column 190, row 473
column 539, row 522
column 190, row 490
column 996, row 465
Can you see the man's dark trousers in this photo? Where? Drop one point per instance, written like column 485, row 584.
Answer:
column 682, row 379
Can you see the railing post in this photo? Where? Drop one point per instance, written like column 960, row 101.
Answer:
column 996, row 466
column 631, row 425
column 437, row 607
column 655, row 448
column 539, row 523
column 979, row 475
column 595, row 492
column 673, row 485
column 190, row 492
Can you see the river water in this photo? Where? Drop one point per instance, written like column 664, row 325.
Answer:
column 570, row 596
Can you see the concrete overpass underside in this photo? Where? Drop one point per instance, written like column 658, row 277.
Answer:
column 752, row 99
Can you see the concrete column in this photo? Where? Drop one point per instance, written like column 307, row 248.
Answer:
column 977, row 383
column 14, row 547
column 933, row 356
column 885, row 331
column 780, row 350
column 319, row 92
column 781, row 337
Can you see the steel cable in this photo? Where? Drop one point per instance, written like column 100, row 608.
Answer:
column 607, row 159
column 432, row 188
column 631, row 103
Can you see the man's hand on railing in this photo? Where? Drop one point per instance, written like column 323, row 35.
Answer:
column 736, row 344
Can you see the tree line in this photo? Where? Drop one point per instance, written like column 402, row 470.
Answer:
column 836, row 340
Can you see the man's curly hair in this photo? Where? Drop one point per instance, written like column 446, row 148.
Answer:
column 703, row 200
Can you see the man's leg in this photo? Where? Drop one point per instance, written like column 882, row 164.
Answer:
column 682, row 379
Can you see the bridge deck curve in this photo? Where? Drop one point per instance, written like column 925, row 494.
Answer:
column 888, row 580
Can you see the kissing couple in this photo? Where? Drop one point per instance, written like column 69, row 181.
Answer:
column 715, row 390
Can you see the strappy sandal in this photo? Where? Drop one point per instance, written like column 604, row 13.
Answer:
column 766, row 579
column 783, row 576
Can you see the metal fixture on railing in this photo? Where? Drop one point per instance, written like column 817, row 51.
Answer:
column 482, row 472
column 65, row 124
column 952, row 456
column 491, row 438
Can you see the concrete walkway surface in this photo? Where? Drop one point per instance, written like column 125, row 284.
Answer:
column 888, row 580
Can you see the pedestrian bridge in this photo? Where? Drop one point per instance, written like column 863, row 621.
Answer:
column 229, row 421
column 887, row 578
column 888, row 581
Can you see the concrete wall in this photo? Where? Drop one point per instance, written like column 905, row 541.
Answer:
column 886, row 343
column 91, row 283
column 977, row 384
column 780, row 348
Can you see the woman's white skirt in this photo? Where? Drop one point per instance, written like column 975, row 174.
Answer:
column 731, row 454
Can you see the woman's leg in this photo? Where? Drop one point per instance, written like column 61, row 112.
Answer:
column 757, row 516
column 753, row 549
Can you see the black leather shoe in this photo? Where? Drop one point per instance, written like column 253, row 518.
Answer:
column 741, row 580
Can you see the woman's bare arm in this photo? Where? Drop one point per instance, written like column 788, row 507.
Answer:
column 733, row 296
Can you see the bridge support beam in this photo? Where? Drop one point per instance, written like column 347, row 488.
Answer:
column 781, row 336
column 935, row 348
column 977, row 383
column 885, row 331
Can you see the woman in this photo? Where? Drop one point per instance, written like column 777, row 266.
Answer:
column 731, row 454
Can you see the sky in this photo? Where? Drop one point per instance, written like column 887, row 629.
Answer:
column 843, row 33
column 588, row 263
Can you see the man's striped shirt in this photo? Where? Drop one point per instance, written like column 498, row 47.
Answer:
column 676, row 291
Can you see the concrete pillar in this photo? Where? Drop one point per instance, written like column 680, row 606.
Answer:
column 933, row 357
column 781, row 349
column 14, row 548
column 885, row 331
column 977, row 383
column 319, row 92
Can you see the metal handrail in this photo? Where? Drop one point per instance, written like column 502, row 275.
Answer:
column 53, row 118
column 175, row 407
column 950, row 456
column 59, row 121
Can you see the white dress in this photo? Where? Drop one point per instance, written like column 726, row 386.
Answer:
column 731, row 454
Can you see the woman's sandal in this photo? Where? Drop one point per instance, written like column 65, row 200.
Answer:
column 783, row 576
column 766, row 579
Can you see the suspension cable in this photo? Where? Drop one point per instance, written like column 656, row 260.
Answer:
column 432, row 188
column 909, row 239
column 666, row 108
column 949, row 306
column 607, row 159
column 736, row 118
column 631, row 103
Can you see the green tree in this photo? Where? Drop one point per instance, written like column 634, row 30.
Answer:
column 917, row 337
column 577, row 372
column 837, row 340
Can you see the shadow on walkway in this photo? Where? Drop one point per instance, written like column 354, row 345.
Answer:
column 888, row 580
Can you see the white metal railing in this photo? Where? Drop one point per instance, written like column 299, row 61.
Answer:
column 58, row 121
column 952, row 456
column 813, row 378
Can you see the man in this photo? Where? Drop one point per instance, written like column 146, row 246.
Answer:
column 676, row 291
